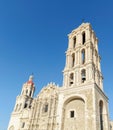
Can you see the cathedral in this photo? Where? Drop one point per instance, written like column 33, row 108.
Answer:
column 79, row 104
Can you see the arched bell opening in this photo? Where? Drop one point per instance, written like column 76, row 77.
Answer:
column 83, row 75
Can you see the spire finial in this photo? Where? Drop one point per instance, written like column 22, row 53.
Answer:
column 31, row 77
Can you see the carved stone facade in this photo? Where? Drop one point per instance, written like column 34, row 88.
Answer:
column 80, row 104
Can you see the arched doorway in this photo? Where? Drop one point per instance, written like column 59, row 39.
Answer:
column 74, row 114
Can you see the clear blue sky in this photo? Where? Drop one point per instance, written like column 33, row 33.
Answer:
column 33, row 38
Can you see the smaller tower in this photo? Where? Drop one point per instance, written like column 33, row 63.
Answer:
column 23, row 101
column 28, row 87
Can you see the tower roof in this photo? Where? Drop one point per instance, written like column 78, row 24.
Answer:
column 80, row 28
column 30, row 81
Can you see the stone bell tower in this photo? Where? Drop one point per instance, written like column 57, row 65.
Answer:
column 85, row 105
column 82, row 58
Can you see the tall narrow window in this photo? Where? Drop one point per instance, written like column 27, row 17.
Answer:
column 26, row 91
column 74, row 42
column 83, row 75
column 83, row 56
column 96, row 58
column 83, row 38
column 101, row 114
column 25, row 105
column 45, row 108
column 71, row 78
column 30, row 93
column 73, row 60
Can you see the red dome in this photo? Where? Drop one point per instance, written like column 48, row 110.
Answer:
column 30, row 82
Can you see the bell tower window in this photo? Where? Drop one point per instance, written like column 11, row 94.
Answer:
column 83, row 56
column 74, row 42
column 26, row 91
column 30, row 93
column 71, row 78
column 25, row 105
column 83, row 75
column 73, row 60
column 83, row 38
